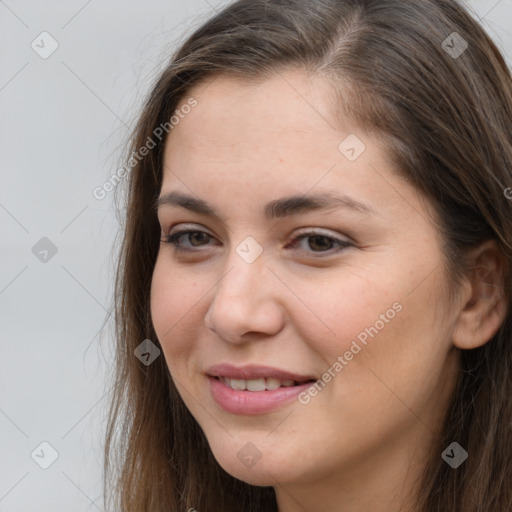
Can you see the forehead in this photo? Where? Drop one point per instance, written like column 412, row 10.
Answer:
column 289, row 116
column 253, row 142
column 299, row 97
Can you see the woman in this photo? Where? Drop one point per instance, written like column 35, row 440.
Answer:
column 313, row 296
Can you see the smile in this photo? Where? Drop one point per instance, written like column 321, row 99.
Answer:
column 254, row 396
column 269, row 383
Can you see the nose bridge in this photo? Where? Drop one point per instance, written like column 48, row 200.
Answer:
column 241, row 285
column 246, row 267
column 243, row 299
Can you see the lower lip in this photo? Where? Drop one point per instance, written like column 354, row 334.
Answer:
column 253, row 402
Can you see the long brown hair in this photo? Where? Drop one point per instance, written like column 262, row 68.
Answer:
column 445, row 111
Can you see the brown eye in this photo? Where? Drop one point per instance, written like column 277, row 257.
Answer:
column 195, row 239
column 198, row 237
column 320, row 243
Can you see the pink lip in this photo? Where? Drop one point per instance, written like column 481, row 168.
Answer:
column 254, row 372
column 253, row 402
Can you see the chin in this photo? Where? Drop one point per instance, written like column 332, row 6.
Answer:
column 259, row 474
column 244, row 461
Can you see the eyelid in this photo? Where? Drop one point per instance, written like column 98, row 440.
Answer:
column 184, row 226
column 322, row 232
column 301, row 231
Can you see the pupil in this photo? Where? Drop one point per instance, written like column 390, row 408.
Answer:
column 317, row 241
column 197, row 235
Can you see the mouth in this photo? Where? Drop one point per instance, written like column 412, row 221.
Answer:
column 257, row 399
column 261, row 384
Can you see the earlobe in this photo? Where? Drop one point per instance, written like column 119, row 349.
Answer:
column 484, row 306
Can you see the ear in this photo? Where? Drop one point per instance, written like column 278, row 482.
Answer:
column 484, row 307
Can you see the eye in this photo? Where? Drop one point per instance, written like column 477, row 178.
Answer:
column 310, row 242
column 196, row 238
column 318, row 242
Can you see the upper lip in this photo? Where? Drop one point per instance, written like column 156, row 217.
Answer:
column 249, row 372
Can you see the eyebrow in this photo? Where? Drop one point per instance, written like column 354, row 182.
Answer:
column 284, row 207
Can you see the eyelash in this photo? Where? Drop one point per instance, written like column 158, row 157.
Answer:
column 343, row 244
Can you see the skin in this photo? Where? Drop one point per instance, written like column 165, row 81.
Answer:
column 362, row 441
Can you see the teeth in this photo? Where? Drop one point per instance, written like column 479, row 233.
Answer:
column 272, row 383
column 238, row 384
column 255, row 385
column 269, row 383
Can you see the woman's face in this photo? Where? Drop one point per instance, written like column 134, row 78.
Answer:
column 347, row 290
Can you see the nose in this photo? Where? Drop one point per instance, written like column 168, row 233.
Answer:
column 246, row 302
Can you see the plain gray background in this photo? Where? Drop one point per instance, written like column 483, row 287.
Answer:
column 63, row 121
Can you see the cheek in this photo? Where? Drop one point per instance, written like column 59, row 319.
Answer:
column 374, row 322
column 338, row 309
column 176, row 308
